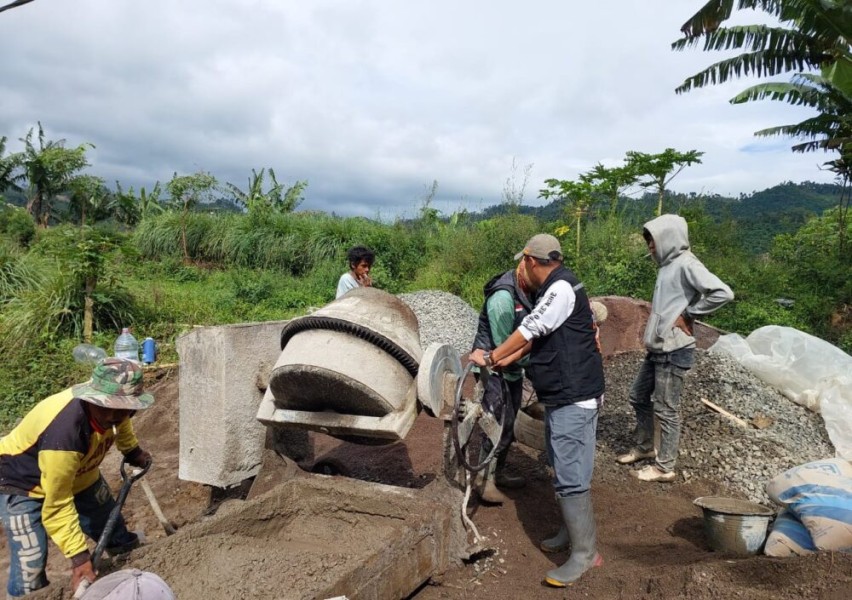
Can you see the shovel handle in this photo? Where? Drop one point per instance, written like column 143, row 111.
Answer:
column 127, row 481
column 155, row 506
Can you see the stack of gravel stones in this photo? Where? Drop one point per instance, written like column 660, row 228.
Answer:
column 712, row 447
column 444, row 318
column 780, row 433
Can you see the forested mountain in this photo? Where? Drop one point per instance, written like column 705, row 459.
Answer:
column 758, row 217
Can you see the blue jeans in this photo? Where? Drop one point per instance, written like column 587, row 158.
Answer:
column 27, row 538
column 656, row 393
column 571, row 435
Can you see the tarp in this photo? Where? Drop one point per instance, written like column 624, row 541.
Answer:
column 806, row 369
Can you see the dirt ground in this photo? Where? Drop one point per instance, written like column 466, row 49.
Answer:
column 650, row 535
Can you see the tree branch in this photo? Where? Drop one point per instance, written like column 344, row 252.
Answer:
column 14, row 4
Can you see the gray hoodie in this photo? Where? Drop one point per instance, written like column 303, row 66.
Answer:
column 684, row 286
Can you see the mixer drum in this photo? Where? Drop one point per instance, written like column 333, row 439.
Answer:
column 348, row 369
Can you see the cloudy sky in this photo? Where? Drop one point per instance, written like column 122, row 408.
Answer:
column 373, row 100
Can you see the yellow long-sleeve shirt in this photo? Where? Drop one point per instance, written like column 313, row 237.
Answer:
column 54, row 453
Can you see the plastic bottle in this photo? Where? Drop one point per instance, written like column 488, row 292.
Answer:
column 88, row 354
column 126, row 346
column 149, row 351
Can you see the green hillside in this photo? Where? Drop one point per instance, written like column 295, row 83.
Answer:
column 755, row 218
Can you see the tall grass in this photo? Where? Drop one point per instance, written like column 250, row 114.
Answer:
column 17, row 272
column 54, row 309
column 294, row 243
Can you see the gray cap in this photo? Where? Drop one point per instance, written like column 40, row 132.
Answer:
column 542, row 246
column 129, row 584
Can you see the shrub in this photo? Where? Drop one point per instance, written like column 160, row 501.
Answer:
column 16, row 224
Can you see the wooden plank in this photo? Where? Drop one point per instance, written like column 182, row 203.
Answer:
column 725, row 413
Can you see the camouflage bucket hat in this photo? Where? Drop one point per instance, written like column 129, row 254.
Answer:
column 115, row 383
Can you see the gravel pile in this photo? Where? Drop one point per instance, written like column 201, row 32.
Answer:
column 712, row 446
column 444, row 318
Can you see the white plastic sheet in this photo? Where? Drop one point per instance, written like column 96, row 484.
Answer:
column 806, row 369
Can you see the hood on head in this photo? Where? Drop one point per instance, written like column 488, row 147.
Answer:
column 671, row 237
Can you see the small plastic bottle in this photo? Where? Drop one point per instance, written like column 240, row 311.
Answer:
column 88, row 354
column 149, row 351
column 126, row 346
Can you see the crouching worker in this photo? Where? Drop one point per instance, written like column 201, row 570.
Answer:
column 50, row 483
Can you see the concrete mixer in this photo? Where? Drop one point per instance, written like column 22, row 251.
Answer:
column 354, row 370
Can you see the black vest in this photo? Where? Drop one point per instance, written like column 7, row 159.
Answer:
column 523, row 306
column 566, row 365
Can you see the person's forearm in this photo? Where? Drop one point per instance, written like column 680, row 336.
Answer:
column 513, row 358
column 504, row 354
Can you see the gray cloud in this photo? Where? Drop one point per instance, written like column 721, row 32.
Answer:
column 370, row 101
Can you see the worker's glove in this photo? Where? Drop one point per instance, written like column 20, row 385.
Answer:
column 139, row 458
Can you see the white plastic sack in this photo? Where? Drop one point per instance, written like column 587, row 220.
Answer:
column 806, row 369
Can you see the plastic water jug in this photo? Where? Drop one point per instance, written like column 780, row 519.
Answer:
column 126, row 346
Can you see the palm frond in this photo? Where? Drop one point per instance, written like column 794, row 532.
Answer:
column 791, row 93
column 708, row 17
column 822, row 127
column 751, row 37
column 765, row 63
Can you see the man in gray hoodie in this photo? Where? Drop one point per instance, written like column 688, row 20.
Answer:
column 684, row 290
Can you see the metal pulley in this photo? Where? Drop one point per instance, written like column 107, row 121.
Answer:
column 450, row 392
column 439, row 373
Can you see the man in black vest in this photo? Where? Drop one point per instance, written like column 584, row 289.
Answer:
column 506, row 304
column 566, row 370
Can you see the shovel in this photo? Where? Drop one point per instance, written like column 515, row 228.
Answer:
column 127, row 481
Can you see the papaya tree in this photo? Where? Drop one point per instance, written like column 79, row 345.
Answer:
column 576, row 196
column 612, row 182
column 656, row 171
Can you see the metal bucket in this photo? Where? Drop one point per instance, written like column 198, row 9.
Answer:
column 734, row 527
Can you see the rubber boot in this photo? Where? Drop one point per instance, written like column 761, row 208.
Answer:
column 490, row 494
column 503, row 479
column 557, row 543
column 580, row 523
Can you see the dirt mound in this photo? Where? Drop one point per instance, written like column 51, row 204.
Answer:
column 625, row 325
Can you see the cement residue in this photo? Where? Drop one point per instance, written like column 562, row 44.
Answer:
column 312, row 537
